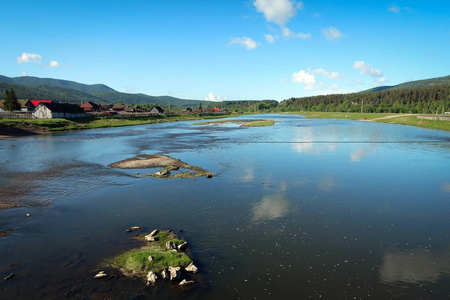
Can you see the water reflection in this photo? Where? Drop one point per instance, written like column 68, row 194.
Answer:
column 272, row 207
column 248, row 175
column 358, row 154
column 305, row 142
column 327, row 184
column 414, row 266
column 446, row 187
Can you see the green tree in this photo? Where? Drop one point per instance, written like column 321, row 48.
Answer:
column 10, row 103
column 200, row 107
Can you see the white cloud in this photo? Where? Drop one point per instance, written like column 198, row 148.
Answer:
column 304, row 77
column 130, row 90
column 24, row 73
column 317, row 15
column 211, row 97
column 358, row 81
column 29, row 57
column 394, row 8
column 331, row 33
column 278, row 11
column 323, row 72
column 380, row 81
column 366, row 69
column 269, row 38
column 53, row 64
column 287, row 33
column 245, row 41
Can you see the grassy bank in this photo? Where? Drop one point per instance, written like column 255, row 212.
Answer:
column 402, row 119
column 243, row 122
column 52, row 125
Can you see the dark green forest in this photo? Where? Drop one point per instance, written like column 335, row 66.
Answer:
column 424, row 100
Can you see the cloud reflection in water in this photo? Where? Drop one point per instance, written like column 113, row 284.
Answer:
column 414, row 266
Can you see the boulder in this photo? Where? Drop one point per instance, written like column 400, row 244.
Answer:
column 171, row 246
column 154, row 232
column 101, row 274
column 9, row 276
column 162, row 173
column 151, row 278
column 149, row 238
column 191, row 268
column 185, row 282
column 182, row 246
column 164, row 274
column 174, row 273
column 135, row 227
column 150, row 258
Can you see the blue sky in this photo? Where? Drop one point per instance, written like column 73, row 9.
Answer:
column 250, row 49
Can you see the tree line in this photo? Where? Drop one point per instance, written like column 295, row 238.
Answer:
column 424, row 100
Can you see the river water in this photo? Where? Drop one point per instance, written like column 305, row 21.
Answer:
column 304, row 209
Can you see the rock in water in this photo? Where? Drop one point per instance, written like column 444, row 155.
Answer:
column 182, row 246
column 149, row 238
column 154, row 232
column 171, row 246
column 135, row 227
column 100, row 274
column 151, row 278
column 174, row 273
column 9, row 276
column 186, row 282
column 164, row 274
column 191, row 268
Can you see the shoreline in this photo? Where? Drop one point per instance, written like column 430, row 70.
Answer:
column 14, row 128
column 417, row 120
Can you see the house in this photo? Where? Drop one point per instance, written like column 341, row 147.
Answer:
column 157, row 110
column 90, row 106
column 58, row 110
column 118, row 107
column 37, row 102
column 129, row 109
column 25, row 105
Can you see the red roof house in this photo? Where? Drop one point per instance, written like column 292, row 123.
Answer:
column 36, row 102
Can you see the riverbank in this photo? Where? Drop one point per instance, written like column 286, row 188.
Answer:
column 402, row 119
column 19, row 127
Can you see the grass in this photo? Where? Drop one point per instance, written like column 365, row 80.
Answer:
column 135, row 262
column 50, row 125
column 260, row 123
column 414, row 121
column 245, row 123
column 393, row 118
column 198, row 172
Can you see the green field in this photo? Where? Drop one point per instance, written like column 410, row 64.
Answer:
column 401, row 119
column 49, row 125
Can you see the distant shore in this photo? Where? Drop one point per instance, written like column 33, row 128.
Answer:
column 419, row 120
column 10, row 128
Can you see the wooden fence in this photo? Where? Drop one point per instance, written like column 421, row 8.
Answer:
column 16, row 115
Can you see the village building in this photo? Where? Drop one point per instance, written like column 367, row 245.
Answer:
column 25, row 105
column 118, row 107
column 58, row 110
column 157, row 110
column 37, row 102
column 90, row 106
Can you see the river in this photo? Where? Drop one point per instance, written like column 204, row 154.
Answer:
column 304, row 209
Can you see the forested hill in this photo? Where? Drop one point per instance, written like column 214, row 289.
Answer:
column 412, row 84
column 31, row 81
column 28, row 87
column 429, row 99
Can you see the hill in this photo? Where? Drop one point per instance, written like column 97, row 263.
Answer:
column 31, row 81
column 412, row 84
column 46, row 92
column 28, row 87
